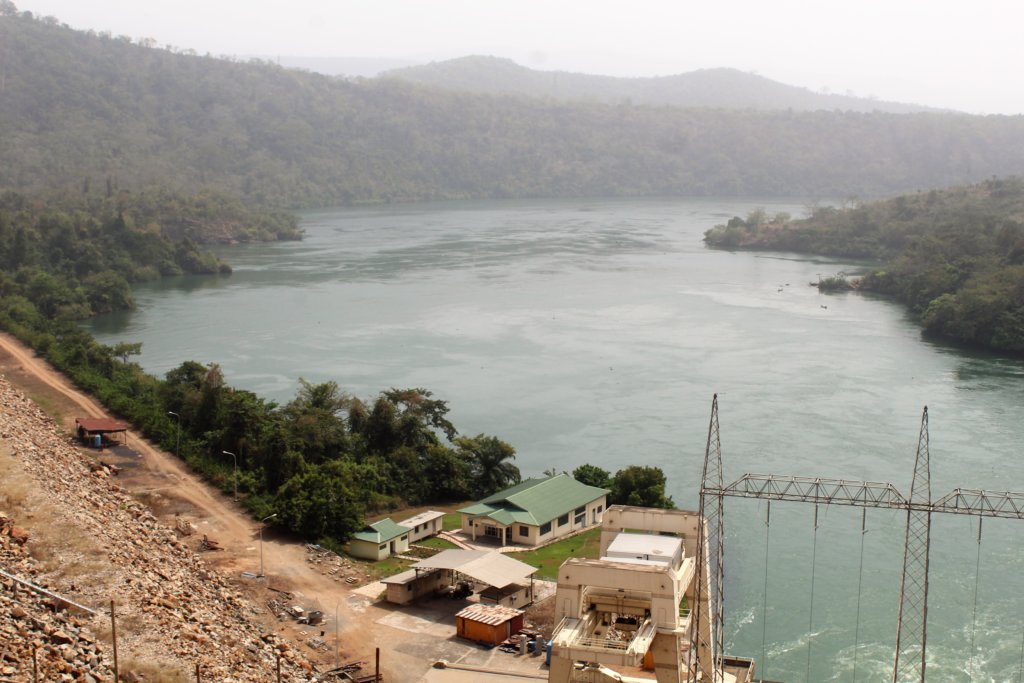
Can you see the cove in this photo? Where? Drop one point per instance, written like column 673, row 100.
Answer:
column 597, row 331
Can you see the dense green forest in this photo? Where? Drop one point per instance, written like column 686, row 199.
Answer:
column 77, row 109
column 708, row 88
column 955, row 257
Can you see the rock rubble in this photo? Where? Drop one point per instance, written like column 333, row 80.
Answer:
column 174, row 611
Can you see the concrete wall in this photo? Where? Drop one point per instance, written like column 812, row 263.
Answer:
column 516, row 598
column 664, row 586
column 368, row 551
column 426, row 530
column 378, row 551
column 402, row 594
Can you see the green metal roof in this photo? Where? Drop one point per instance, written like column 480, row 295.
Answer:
column 535, row 501
column 381, row 531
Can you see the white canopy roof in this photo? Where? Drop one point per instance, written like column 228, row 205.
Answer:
column 485, row 566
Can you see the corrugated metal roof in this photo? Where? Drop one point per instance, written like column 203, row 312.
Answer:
column 101, row 424
column 485, row 566
column 407, row 576
column 536, row 501
column 492, row 615
column 421, row 518
column 381, row 531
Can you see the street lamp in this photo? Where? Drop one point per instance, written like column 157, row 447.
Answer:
column 262, row 522
column 337, row 647
column 235, row 458
column 177, row 439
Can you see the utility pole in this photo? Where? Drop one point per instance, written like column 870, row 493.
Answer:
column 235, row 458
column 177, row 439
column 262, row 523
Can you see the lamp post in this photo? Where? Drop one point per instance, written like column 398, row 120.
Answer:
column 262, row 522
column 177, row 438
column 337, row 646
column 235, row 458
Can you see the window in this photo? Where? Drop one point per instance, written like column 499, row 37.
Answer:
column 563, row 520
column 545, row 528
column 524, row 531
column 406, row 537
column 581, row 515
column 383, row 546
column 408, row 587
column 599, row 508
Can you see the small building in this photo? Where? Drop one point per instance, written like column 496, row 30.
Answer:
column 536, row 511
column 424, row 525
column 488, row 624
column 414, row 584
column 379, row 540
column 99, row 431
column 645, row 548
column 506, row 581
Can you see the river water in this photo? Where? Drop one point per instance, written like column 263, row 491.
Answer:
column 597, row 331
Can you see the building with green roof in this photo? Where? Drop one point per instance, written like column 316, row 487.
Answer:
column 380, row 540
column 535, row 512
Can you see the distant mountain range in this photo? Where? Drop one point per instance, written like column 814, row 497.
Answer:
column 709, row 88
column 90, row 114
column 362, row 67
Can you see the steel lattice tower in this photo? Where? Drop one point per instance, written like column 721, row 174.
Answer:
column 913, row 615
column 707, row 639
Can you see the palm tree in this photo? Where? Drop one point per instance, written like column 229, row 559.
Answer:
column 488, row 459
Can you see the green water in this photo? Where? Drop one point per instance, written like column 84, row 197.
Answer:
column 597, row 331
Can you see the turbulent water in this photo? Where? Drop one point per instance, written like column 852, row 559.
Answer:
column 597, row 331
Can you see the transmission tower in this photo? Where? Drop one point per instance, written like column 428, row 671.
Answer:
column 912, row 626
column 911, row 632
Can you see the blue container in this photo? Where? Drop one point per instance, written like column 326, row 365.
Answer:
column 547, row 657
column 97, row 441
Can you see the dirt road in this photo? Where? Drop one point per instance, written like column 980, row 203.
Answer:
column 166, row 483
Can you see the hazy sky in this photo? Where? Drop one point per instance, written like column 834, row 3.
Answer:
column 961, row 55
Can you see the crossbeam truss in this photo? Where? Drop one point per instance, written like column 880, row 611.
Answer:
column 870, row 494
column 913, row 614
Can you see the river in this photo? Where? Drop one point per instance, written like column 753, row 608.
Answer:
column 597, row 331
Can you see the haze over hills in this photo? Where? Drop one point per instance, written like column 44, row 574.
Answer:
column 82, row 112
column 713, row 88
column 360, row 67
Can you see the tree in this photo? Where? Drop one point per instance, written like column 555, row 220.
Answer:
column 488, row 459
column 318, row 504
column 592, row 475
column 124, row 349
column 642, row 486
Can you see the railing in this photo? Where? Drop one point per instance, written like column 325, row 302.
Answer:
column 602, row 643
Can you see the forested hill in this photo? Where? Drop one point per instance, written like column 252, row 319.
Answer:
column 77, row 109
column 955, row 257
column 714, row 88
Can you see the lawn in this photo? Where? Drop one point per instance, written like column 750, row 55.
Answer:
column 451, row 521
column 438, row 543
column 549, row 558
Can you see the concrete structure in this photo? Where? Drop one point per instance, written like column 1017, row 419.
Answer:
column 423, row 525
column 626, row 615
column 505, row 581
column 379, row 540
column 411, row 585
column 488, row 623
column 535, row 512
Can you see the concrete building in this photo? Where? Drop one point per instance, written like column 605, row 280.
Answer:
column 423, row 525
column 626, row 616
column 535, row 512
column 379, row 540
